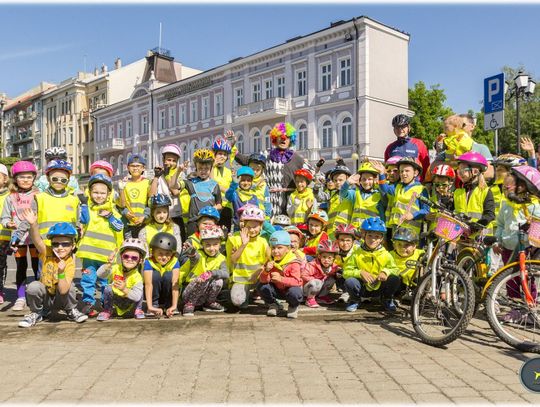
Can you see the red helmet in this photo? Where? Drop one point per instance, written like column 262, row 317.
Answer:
column 327, row 246
column 444, row 170
column 344, row 230
column 304, row 173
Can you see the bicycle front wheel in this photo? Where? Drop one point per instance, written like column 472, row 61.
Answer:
column 442, row 313
column 509, row 315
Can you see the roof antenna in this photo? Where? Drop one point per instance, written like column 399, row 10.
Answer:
column 160, row 38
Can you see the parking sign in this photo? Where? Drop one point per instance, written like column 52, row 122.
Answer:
column 494, row 102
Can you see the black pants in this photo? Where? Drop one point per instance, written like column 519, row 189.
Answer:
column 226, row 217
column 357, row 288
column 132, row 231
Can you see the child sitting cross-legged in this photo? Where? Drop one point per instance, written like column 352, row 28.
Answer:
column 319, row 274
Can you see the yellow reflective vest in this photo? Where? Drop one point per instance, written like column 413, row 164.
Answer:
column 52, row 210
column 251, row 261
column 474, row 206
column 223, row 176
column 205, row 263
column 339, row 212
column 402, row 199
column 372, row 261
column 99, row 238
column 5, row 234
column 132, row 278
column 365, row 207
column 169, row 266
column 136, row 196
column 300, row 204
column 154, row 228
column 407, row 265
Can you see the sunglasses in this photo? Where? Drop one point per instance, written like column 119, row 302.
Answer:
column 128, row 257
column 60, row 180
column 61, row 244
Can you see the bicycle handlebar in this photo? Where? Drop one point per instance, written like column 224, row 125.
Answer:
column 460, row 216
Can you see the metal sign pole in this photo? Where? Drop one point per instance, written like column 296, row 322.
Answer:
column 496, row 142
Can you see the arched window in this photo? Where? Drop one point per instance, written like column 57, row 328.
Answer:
column 327, row 134
column 120, row 164
column 185, row 152
column 346, row 132
column 207, row 143
column 240, row 143
column 129, row 156
column 302, row 140
column 113, row 163
column 257, row 147
column 267, row 142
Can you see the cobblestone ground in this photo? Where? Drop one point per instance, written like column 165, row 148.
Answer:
column 326, row 356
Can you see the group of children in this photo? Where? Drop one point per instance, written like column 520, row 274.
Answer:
column 184, row 241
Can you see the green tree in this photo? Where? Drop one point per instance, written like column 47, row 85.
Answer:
column 429, row 111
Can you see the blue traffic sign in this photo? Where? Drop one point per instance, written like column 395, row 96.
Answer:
column 494, row 93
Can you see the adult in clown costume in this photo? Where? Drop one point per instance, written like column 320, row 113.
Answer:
column 281, row 164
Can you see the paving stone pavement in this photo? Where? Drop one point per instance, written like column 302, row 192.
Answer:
column 326, row 356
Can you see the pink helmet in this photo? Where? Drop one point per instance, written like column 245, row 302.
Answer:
column 212, row 232
column 327, row 246
column 251, row 212
column 393, row 160
column 474, row 159
column 23, row 166
column 529, row 175
column 104, row 165
column 171, row 148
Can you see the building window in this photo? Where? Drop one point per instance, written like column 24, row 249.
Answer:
column 111, row 130
column 301, row 83
column 268, row 89
column 240, row 144
column 162, row 119
column 281, row 87
column 144, row 124
column 256, row 92
column 257, row 142
column 302, row 137
column 205, row 107
column 120, row 130
column 70, row 135
column 182, row 114
column 218, row 108
column 345, row 72
column 267, row 142
column 346, row 132
column 103, row 135
column 327, row 134
column 193, row 111
column 129, row 131
column 172, row 116
column 239, row 97
column 326, row 77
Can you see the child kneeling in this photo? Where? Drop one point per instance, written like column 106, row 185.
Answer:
column 281, row 277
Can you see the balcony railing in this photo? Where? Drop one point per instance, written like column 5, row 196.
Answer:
column 267, row 107
column 110, row 144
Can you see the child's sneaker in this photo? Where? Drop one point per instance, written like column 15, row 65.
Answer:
column 325, row 300
column 344, row 297
column 20, row 304
column 188, row 310
column 292, row 312
column 311, row 303
column 390, row 305
column 213, row 307
column 76, row 316
column 30, row 320
column 352, row 307
column 1, row 298
column 139, row 313
column 104, row 315
column 89, row 310
column 272, row 310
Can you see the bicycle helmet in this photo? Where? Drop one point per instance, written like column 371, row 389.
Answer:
column 283, row 131
column 529, row 175
column 293, row 230
column 410, row 161
column 304, row 173
column 220, row 144
column 405, row 235
column 342, row 229
column 251, row 212
column 55, row 153
column 510, row 160
column 104, row 165
column 100, row 178
column 136, row 159
column 281, row 237
column 213, row 232
column 59, row 165
column 23, row 166
column 208, row 212
column 282, row 220
column 444, row 170
column 62, row 229
column 163, row 240
column 320, row 216
column 327, row 246
column 171, row 149
column 160, row 200
column 401, row 120
column 339, row 169
column 373, row 225
column 203, row 155
column 134, row 244
column 368, row 167
column 393, row 160
column 474, row 159
column 245, row 171
column 257, row 158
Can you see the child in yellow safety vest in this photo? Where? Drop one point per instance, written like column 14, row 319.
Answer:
column 5, row 233
column 134, row 196
column 247, row 252
column 223, row 176
column 124, row 292
column 443, row 179
column 160, row 220
column 104, row 168
column 346, row 241
column 204, row 274
column 371, row 270
column 101, row 236
column 257, row 162
column 302, row 200
column 366, row 198
column 406, row 255
column 317, row 223
column 339, row 210
column 161, row 272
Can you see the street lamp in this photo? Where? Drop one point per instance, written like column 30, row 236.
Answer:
column 523, row 86
column 3, row 101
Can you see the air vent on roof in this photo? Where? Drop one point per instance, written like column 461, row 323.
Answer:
column 235, row 59
column 336, row 23
column 294, row 39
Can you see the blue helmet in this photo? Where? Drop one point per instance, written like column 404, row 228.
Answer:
column 136, row 158
column 62, row 229
column 257, row 158
column 220, row 144
column 374, row 225
column 209, row 212
column 59, row 165
column 281, row 237
column 245, row 171
column 160, row 200
column 100, row 178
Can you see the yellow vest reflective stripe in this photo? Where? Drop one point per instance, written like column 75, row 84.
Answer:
column 132, row 279
column 99, row 238
column 5, row 234
column 137, row 196
column 52, row 210
column 364, row 207
column 152, row 229
column 204, row 264
column 339, row 212
column 301, row 211
column 401, row 202
column 252, row 259
column 407, row 273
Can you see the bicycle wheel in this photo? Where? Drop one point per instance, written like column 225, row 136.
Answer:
column 441, row 319
column 469, row 264
column 508, row 314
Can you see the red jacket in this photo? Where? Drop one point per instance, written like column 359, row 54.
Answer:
column 291, row 275
column 313, row 270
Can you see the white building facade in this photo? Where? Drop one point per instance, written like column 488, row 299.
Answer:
column 340, row 88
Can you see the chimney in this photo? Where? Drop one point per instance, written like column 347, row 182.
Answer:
column 103, row 68
column 117, row 63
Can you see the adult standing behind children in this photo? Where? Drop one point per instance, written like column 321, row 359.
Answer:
column 55, row 154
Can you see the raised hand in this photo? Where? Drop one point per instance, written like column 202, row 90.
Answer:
column 30, row 216
column 244, row 236
column 379, row 166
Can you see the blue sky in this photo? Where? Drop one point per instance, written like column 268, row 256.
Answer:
column 455, row 46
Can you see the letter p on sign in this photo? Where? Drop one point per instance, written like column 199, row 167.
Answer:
column 494, row 87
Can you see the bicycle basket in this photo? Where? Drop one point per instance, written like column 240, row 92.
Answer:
column 534, row 232
column 449, row 228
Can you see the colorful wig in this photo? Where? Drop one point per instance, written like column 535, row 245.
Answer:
column 283, row 130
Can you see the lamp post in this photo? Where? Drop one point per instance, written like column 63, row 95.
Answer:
column 523, row 86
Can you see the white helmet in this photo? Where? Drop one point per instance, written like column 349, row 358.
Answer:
column 171, row 148
column 212, row 232
column 282, row 220
column 134, row 244
column 251, row 212
column 55, row 153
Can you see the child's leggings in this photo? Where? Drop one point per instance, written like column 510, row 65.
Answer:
column 22, row 266
column 202, row 292
column 3, row 265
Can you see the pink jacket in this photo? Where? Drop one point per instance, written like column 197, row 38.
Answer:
column 313, row 270
column 291, row 276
